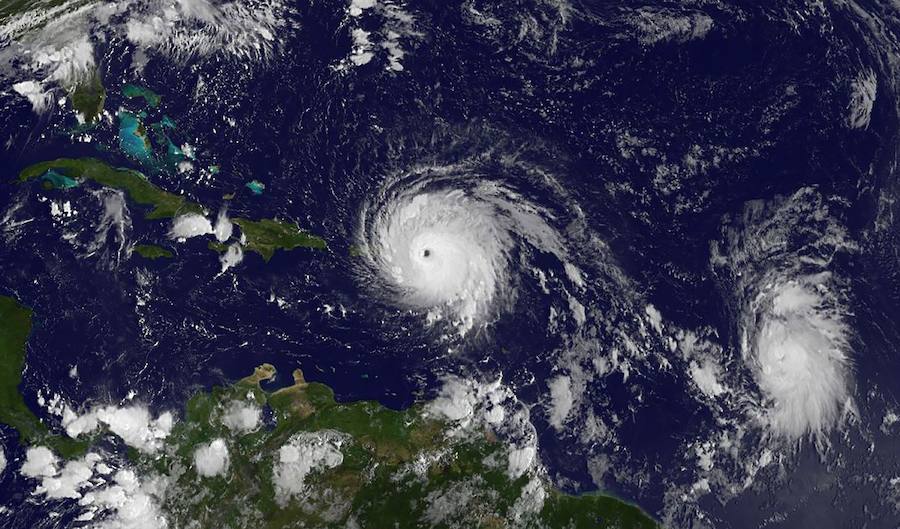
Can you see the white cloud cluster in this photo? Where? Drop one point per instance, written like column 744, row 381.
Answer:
column 530, row 501
column 706, row 374
column 184, row 29
column 795, row 335
column 120, row 503
column 212, row 459
column 116, row 218
column 473, row 406
column 67, row 482
column 53, row 45
column 802, row 362
column 190, row 225
column 657, row 25
column 520, row 460
column 863, row 91
column 242, row 417
column 232, row 256
column 51, row 48
column 39, row 462
column 561, row 400
column 224, row 228
column 127, row 503
column 397, row 27
column 133, row 424
column 36, row 94
column 305, row 452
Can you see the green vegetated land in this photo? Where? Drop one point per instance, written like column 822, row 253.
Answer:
column 15, row 326
column 398, row 469
column 264, row 236
column 394, row 469
column 11, row 8
column 88, row 97
column 162, row 204
column 152, row 252
column 267, row 235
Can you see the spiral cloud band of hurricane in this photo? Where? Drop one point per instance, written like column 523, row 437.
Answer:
column 802, row 363
column 442, row 245
column 795, row 320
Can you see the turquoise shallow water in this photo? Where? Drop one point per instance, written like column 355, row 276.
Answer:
column 256, row 187
column 149, row 96
column 59, row 181
column 132, row 137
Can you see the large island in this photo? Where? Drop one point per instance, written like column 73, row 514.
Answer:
column 263, row 236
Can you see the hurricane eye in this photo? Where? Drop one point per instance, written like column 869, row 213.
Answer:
column 426, row 253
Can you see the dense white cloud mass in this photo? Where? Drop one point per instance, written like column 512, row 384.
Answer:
column 224, row 227
column 190, row 225
column 442, row 247
column 212, row 459
column 802, row 359
column 128, row 503
column 39, row 461
column 133, row 424
column 792, row 312
column 242, row 417
column 304, row 452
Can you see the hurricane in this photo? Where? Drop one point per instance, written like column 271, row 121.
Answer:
column 795, row 330
column 802, row 356
column 445, row 240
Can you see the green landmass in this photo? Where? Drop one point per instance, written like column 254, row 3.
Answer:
column 263, row 236
column 152, row 252
column 217, row 246
column 88, row 97
column 398, row 469
column 11, row 8
column 162, row 204
column 15, row 326
column 149, row 96
column 388, row 468
column 267, row 235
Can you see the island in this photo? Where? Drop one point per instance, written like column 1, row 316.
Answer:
column 150, row 97
column 264, row 236
column 162, row 204
column 267, row 235
column 152, row 252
